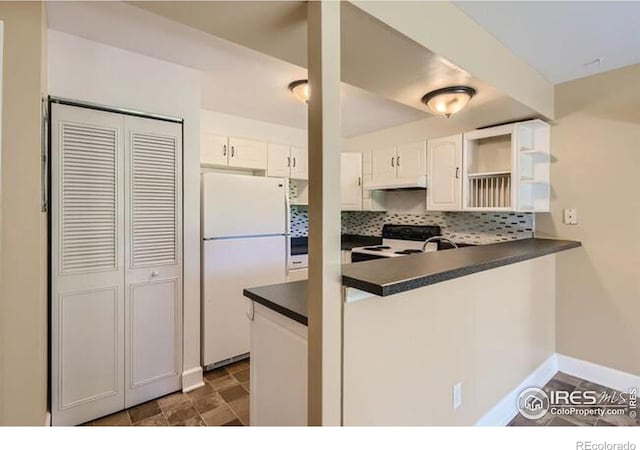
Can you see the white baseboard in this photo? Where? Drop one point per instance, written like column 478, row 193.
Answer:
column 612, row 378
column 506, row 409
column 192, row 379
column 47, row 419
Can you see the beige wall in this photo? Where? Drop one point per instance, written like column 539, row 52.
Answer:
column 595, row 143
column 85, row 70
column 23, row 289
column 404, row 353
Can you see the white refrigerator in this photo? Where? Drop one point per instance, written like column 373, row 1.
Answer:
column 245, row 222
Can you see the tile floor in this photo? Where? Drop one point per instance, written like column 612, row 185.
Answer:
column 563, row 381
column 223, row 400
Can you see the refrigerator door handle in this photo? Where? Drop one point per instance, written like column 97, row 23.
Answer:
column 287, row 208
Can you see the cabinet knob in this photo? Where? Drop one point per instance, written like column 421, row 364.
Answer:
column 155, row 273
column 294, row 161
column 224, row 150
column 457, row 172
column 288, row 161
column 398, row 161
column 233, row 151
column 393, row 160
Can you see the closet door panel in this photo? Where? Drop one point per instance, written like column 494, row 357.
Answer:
column 87, row 264
column 153, row 332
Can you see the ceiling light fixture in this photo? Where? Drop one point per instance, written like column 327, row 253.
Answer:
column 300, row 88
column 449, row 100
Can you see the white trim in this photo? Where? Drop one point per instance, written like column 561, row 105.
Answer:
column 47, row 419
column 606, row 376
column 354, row 295
column 506, row 409
column 192, row 379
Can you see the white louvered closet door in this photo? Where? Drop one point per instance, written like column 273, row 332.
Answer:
column 153, row 289
column 87, row 264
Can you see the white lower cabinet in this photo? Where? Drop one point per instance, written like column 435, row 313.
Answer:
column 278, row 370
column 116, row 285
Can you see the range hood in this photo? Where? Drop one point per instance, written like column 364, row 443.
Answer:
column 419, row 182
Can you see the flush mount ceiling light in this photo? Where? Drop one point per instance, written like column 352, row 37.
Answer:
column 300, row 89
column 449, row 100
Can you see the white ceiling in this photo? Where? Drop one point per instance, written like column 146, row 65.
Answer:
column 560, row 38
column 235, row 80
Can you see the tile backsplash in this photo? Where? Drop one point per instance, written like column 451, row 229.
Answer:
column 466, row 227
column 299, row 221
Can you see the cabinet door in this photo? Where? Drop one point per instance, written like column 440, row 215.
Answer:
column 214, row 149
column 444, row 175
column 278, row 160
column 411, row 159
column 371, row 200
column 247, row 154
column 383, row 165
column 299, row 163
column 278, row 370
column 87, row 264
column 153, row 289
column 351, row 181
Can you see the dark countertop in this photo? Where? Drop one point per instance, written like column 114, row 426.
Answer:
column 394, row 275
column 300, row 245
column 289, row 299
column 390, row 276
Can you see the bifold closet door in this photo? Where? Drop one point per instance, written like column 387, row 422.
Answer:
column 116, row 231
column 153, row 288
column 87, row 264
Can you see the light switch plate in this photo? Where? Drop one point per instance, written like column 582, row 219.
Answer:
column 571, row 216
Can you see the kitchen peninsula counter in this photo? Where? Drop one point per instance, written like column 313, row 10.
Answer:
column 385, row 277
column 390, row 276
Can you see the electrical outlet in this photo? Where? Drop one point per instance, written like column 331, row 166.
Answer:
column 571, row 216
column 457, row 395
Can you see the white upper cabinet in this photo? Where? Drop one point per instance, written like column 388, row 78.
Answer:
column 278, row 160
column 247, row 154
column 213, row 149
column 402, row 162
column 299, row 163
column 444, row 174
column 351, row 181
column 411, row 160
column 287, row 162
column 506, row 168
column 216, row 150
column 383, row 165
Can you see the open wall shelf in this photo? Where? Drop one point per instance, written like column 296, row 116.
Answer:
column 506, row 168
